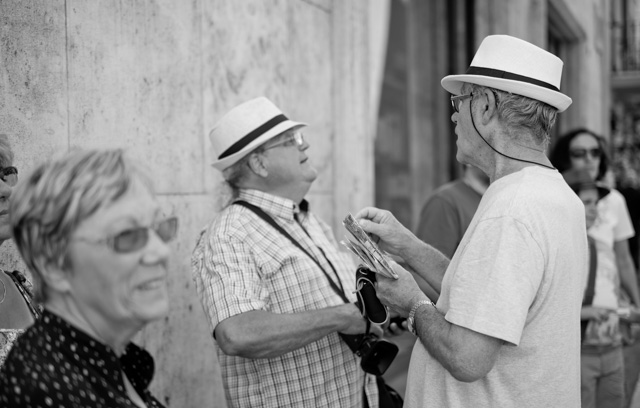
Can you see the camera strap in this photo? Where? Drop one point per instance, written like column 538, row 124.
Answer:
column 260, row 213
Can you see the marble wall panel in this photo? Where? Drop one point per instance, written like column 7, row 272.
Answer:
column 310, row 92
column 134, row 81
column 154, row 77
column 353, row 148
column 325, row 5
column 283, row 52
column 244, row 55
column 187, row 372
column 33, row 92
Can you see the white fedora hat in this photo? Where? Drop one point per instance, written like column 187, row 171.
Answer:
column 246, row 127
column 514, row 65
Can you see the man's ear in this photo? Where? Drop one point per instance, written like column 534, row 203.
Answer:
column 489, row 105
column 257, row 164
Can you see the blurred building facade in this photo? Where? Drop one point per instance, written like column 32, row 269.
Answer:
column 625, row 112
column 415, row 146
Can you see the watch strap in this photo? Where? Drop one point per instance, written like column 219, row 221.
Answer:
column 411, row 325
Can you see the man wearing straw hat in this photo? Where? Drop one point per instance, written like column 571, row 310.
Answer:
column 505, row 330
column 276, row 306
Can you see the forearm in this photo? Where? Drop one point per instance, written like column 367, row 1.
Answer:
column 427, row 262
column 260, row 334
column 426, row 288
column 629, row 281
column 627, row 272
column 466, row 355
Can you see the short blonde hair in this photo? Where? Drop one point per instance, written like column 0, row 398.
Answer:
column 6, row 154
column 51, row 202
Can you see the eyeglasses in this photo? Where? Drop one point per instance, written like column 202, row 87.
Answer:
column 456, row 100
column 297, row 139
column 133, row 239
column 9, row 175
column 594, row 153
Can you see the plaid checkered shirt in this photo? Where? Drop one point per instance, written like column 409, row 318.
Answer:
column 241, row 264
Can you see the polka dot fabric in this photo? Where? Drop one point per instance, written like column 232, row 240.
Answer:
column 53, row 364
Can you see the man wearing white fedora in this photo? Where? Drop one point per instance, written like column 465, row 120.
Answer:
column 505, row 329
column 275, row 287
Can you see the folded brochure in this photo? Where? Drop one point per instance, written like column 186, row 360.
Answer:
column 358, row 242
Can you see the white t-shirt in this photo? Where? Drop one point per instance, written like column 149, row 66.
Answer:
column 613, row 224
column 517, row 276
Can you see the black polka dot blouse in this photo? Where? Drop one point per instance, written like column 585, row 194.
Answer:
column 53, row 364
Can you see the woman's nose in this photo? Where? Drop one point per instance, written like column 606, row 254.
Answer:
column 5, row 190
column 157, row 250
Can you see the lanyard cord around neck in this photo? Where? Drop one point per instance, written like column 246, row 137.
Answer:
column 260, row 213
column 499, row 152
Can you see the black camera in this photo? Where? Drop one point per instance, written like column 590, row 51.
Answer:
column 377, row 354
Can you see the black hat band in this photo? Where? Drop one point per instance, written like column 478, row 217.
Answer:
column 496, row 73
column 253, row 135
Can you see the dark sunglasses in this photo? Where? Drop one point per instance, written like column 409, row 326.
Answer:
column 9, row 175
column 133, row 239
column 595, row 153
column 456, row 100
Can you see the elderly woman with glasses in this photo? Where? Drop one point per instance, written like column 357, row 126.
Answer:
column 602, row 368
column 91, row 231
column 17, row 309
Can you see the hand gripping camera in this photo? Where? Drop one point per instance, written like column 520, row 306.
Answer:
column 377, row 354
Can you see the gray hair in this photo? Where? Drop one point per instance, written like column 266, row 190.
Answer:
column 51, row 202
column 6, row 154
column 520, row 112
column 238, row 172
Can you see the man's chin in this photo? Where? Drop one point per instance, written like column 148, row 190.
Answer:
column 311, row 174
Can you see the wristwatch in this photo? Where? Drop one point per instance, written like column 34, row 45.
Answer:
column 411, row 323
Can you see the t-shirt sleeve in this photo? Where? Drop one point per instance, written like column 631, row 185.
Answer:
column 496, row 280
column 439, row 225
column 227, row 278
column 624, row 227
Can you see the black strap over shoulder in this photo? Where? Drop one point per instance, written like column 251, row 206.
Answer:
column 260, row 213
column 593, row 263
column 19, row 280
column 589, row 293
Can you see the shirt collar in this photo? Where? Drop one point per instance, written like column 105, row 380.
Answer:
column 273, row 205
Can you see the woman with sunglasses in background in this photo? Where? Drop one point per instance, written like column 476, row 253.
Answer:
column 602, row 366
column 92, row 233
column 17, row 309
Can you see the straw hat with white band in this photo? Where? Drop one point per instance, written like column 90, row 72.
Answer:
column 246, row 127
column 514, row 65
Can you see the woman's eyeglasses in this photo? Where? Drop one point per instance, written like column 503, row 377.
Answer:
column 133, row 239
column 9, row 175
column 594, row 153
column 456, row 100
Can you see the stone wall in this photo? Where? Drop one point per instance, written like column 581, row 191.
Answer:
column 153, row 77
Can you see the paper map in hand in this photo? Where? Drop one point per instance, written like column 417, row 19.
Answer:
column 359, row 243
